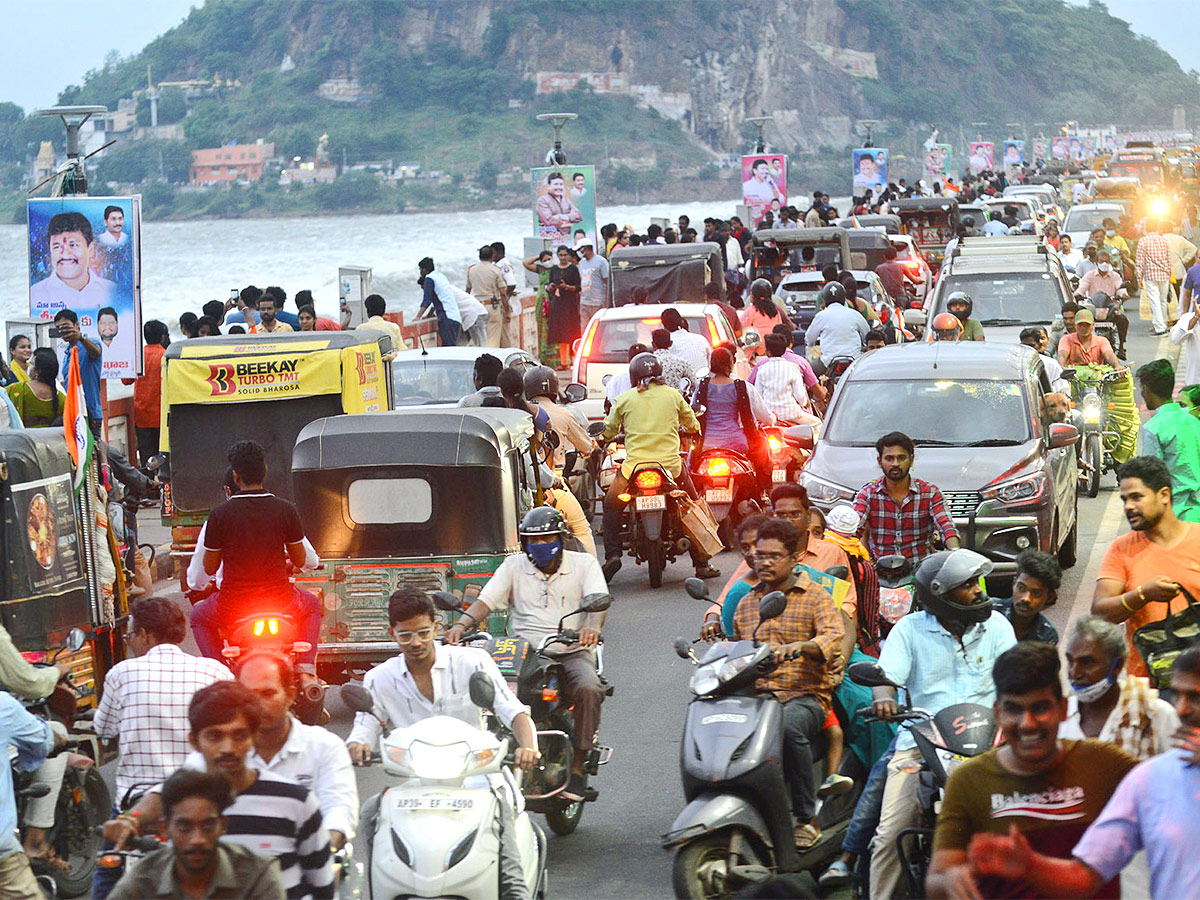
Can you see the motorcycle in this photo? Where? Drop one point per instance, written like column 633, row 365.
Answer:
column 728, row 482
column 437, row 832
column 1100, row 436
column 277, row 633
column 737, row 827
column 944, row 739
column 897, row 589
column 534, row 675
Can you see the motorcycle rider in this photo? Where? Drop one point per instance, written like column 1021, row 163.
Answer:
column 541, row 586
column 946, row 327
column 959, row 305
column 541, row 389
column 30, row 739
column 1084, row 347
column 943, row 655
column 838, row 329
column 429, row 679
column 651, row 415
column 807, row 639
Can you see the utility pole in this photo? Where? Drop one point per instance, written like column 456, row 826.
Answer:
column 70, row 179
column 557, row 156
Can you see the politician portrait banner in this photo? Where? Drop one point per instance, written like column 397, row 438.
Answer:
column 564, row 204
column 980, row 156
column 870, row 168
column 1014, row 154
column 85, row 255
column 937, row 161
column 1059, row 147
column 764, row 184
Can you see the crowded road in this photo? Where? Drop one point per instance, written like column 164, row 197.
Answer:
column 615, row 852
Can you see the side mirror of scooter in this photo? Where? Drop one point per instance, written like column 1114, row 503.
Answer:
column 574, row 392
column 799, row 436
column 595, row 429
column 156, row 462
column 357, row 697
column 446, row 601
column 841, row 572
column 869, row 674
column 482, row 690
column 75, row 640
column 697, row 588
column 772, row 606
column 594, row 603
column 1068, row 374
column 682, row 648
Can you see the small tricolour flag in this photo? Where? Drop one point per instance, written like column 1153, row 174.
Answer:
column 75, row 420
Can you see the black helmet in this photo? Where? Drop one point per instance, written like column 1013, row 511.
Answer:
column 538, row 522
column 540, row 381
column 961, row 297
column 834, row 292
column 643, row 366
column 944, row 571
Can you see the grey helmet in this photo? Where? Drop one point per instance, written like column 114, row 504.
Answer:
column 540, row 381
column 946, row 570
column 961, row 297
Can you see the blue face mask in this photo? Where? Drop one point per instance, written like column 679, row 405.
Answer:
column 544, row 555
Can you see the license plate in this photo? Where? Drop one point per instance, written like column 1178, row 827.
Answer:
column 652, row 501
column 435, row 804
column 719, row 495
column 778, row 476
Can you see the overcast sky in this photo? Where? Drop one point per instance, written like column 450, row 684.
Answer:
column 37, row 66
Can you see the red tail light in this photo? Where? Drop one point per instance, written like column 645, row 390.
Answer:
column 649, row 480
column 717, row 467
column 586, row 351
column 775, row 444
column 714, row 338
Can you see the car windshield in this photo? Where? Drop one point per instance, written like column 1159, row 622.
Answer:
column 934, row 413
column 1089, row 219
column 1008, row 298
column 420, row 382
column 1024, row 209
column 614, row 337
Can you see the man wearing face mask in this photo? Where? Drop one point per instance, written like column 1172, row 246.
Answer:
column 541, row 586
column 943, row 655
column 1105, row 277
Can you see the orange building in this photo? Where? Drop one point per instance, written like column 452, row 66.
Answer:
column 237, row 162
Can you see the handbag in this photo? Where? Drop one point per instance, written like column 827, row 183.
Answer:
column 1160, row 642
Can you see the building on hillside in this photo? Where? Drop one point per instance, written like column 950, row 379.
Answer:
column 308, row 172
column 235, row 162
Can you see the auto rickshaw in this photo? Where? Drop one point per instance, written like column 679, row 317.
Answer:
column 216, row 391
column 424, row 497
column 932, row 222
column 778, row 252
column 670, row 273
column 51, row 580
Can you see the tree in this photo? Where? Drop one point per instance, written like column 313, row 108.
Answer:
column 485, row 178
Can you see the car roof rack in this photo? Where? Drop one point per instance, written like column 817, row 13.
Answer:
column 1008, row 245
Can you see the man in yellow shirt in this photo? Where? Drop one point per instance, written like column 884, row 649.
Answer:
column 650, row 414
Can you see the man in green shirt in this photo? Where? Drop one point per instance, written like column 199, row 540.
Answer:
column 959, row 305
column 1173, row 436
column 650, row 414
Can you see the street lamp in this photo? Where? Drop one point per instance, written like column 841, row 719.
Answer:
column 978, row 126
column 71, row 178
column 760, row 122
column 866, row 125
column 557, row 156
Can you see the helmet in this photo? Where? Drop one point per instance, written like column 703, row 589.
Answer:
column 946, row 327
column 834, row 292
column 956, row 297
column 643, row 366
column 940, row 574
column 538, row 522
column 540, row 381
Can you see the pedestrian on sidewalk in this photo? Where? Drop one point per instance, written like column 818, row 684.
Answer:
column 1172, row 435
column 1153, row 264
column 565, row 284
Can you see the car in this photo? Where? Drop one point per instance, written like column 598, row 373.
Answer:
column 799, row 292
column 1013, row 282
column 441, row 376
column 983, row 435
column 603, row 351
column 1083, row 219
column 1030, row 214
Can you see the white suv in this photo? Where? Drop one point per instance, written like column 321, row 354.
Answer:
column 603, row 351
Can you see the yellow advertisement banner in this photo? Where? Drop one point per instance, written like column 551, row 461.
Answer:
column 363, row 385
column 245, row 378
column 198, row 350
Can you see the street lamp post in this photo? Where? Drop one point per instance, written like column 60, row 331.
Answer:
column 760, row 122
column 70, row 179
column 557, row 156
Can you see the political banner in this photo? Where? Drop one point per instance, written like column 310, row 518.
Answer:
column 764, row 184
column 981, row 156
column 1059, row 147
column 870, row 168
column 564, row 204
column 1014, row 154
column 85, row 256
column 1041, row 149
column 937, row 161
column 1108, row 142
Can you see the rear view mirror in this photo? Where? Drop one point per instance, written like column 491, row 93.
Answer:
column 482, row 690
column 1068, row 374
column 574, row 392
column 357, row 697
column 799, row 436
column 594, row 603
column 697, row 588
column 841, row 572
column 446, row 601
column 595, row 429
column 682, row 647
column 914, row 318
column 1063, row 434
column 74, row 641
column 772, row 605
column 869, row 674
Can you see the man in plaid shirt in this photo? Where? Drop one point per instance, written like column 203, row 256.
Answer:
column 1153, row 264
column 808, row 638
column 898, row 511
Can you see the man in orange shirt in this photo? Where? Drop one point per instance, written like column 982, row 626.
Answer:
column 1142, row 573
column 147, row 389
column 1084, row 347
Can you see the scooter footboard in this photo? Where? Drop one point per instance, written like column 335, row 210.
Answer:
column 713, row 812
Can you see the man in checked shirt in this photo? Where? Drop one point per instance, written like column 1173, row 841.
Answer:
column 899, row 512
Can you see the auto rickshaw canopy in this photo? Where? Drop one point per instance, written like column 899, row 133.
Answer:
column 670, row 273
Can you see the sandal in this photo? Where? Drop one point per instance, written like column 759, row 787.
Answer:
column 49, row 861
column 708, row 571
column 806, row 836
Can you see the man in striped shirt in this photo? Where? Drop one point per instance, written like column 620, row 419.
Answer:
column 270, row 816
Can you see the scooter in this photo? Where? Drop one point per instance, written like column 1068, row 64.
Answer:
column 728, row 482
column 737, row 829
column 437, row 833
column 897, row 589
column 945, row 740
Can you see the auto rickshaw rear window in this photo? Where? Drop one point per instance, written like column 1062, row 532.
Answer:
column 390, row 501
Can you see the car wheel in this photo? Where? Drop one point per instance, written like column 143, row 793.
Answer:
column 1067, row 552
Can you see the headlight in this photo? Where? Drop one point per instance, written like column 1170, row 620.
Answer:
column 704, row 679
column 825, row 491
column 1020, row 490
column 733, row 667
column 437, row 763
column 1091, row 407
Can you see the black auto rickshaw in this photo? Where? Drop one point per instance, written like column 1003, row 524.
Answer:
column 932, row 222
column 51, row 561
column 670, row 273
column 265, row 387
column 425, row 497
column 778, row 252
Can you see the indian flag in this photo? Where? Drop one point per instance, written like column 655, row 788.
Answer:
column 75, row 421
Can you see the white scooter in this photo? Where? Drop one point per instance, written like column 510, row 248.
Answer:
column 438, row 829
